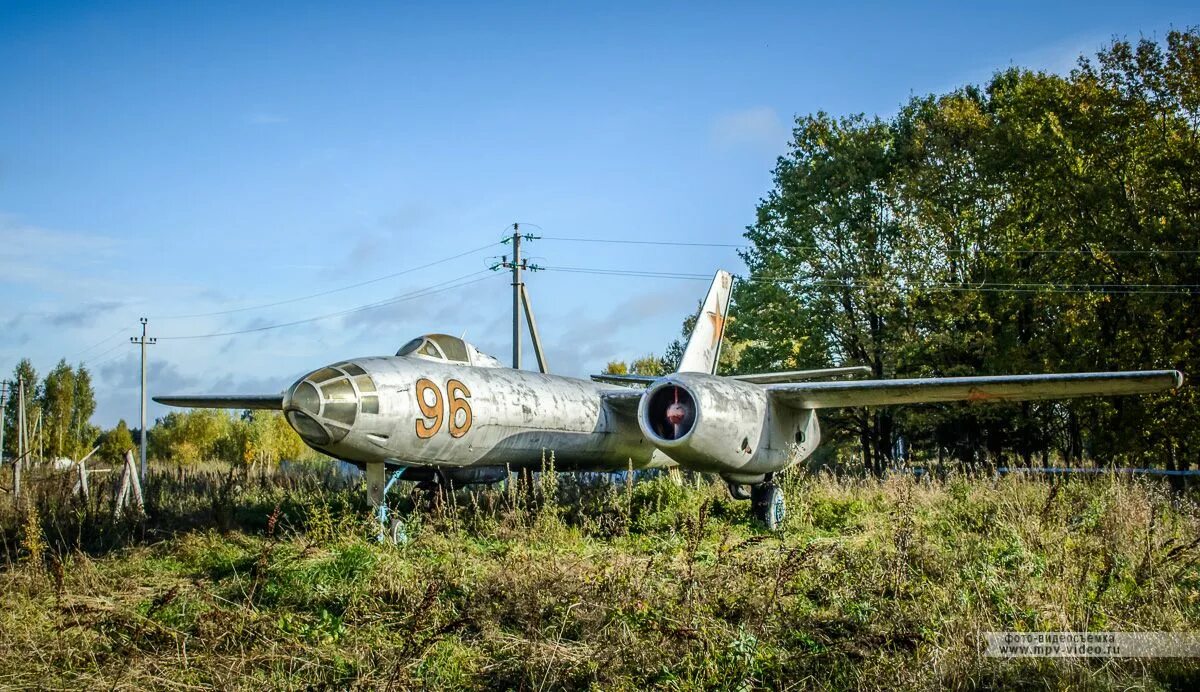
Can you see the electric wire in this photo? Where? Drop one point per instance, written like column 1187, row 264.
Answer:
column 330, row 291
column 637, row 242
column 98, row 343
column 802, row 284
column 104, row 353
column 1089, row 251
column 1155, row 289
column 116, row 356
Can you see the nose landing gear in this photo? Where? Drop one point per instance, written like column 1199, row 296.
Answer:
column 391, row 529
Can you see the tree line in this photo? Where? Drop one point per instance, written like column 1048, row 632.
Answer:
column 60, row 407
column 1036, row 223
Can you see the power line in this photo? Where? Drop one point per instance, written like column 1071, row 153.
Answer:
column 98, row 343
column 115, row 357
column 419, row 293
column 619, row 241
column 1157, row 289
column 98, row 356
column 818, row 248
column 629, row 272
column 332, row 290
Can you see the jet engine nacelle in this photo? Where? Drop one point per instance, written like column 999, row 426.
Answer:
column 713, row 424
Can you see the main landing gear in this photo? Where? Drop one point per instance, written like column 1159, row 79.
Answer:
column 766, row 501
column 767, row 505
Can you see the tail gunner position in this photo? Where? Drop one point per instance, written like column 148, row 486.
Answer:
column 442, row 411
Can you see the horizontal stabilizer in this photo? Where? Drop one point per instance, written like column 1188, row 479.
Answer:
column 973, row 389
column 624, row 401
column 268, row 402
column 628, row 380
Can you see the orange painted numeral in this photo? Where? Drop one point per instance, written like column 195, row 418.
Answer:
column 458, row 402
column 435, row 409
column 430, row 411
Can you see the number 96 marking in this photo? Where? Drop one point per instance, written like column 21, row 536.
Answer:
column 435, row 409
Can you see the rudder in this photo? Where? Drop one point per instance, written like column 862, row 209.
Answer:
column 704, row 345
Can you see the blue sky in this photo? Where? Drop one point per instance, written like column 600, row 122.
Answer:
column 167, row 159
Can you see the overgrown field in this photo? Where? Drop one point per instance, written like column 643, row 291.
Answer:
column 260, row 580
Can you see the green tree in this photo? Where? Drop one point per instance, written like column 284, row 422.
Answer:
column 83, row 433
column 983, row 231
column 115, row 442
column 650, row 365
column 266, row 438
column 828, row 239
column 191, row 436
column 25, row 371
column 58, row 404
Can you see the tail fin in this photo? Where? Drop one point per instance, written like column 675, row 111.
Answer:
column 704, row 345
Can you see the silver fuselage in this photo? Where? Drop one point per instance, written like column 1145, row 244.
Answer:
column 452, row 415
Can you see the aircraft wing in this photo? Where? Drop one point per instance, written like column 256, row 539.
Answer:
column 801, row 375
column 974, row 389
column 270, row 402
column 623, row 401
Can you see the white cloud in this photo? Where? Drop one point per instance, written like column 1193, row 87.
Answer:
column 759, row 127
column 52, row 259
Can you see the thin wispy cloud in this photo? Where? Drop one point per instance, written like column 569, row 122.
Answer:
column 59, row 261
column 759, row 127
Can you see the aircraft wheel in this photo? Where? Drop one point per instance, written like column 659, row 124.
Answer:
column 398, row 533
column 738, row 491
column 768, row 505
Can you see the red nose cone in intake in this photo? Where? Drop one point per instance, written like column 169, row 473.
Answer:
column 675, row 413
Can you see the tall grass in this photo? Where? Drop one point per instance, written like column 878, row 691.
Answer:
column 272, row 579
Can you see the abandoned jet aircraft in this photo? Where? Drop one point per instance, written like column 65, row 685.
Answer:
column 441, row 411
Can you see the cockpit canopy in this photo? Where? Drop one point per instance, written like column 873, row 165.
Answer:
column 447, row 349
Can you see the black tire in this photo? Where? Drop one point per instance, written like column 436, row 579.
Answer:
column 768, row 505
column 738, row 491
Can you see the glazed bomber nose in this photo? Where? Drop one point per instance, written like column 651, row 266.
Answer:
column 323, row 405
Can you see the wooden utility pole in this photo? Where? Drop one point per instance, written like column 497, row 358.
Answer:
column 521, row 301
column 129, row 488
column 3, row 410
column 21, row 441
column 143, row 342
column 533, row 331
column 516, row 265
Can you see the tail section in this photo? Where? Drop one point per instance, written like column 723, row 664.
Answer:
column 704, row 345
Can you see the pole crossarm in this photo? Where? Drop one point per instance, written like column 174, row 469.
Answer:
column 520, row 298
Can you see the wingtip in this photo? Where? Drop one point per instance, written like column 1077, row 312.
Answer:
column 1179, row 379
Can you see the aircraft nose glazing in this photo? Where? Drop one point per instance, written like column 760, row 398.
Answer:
column 323, row 405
